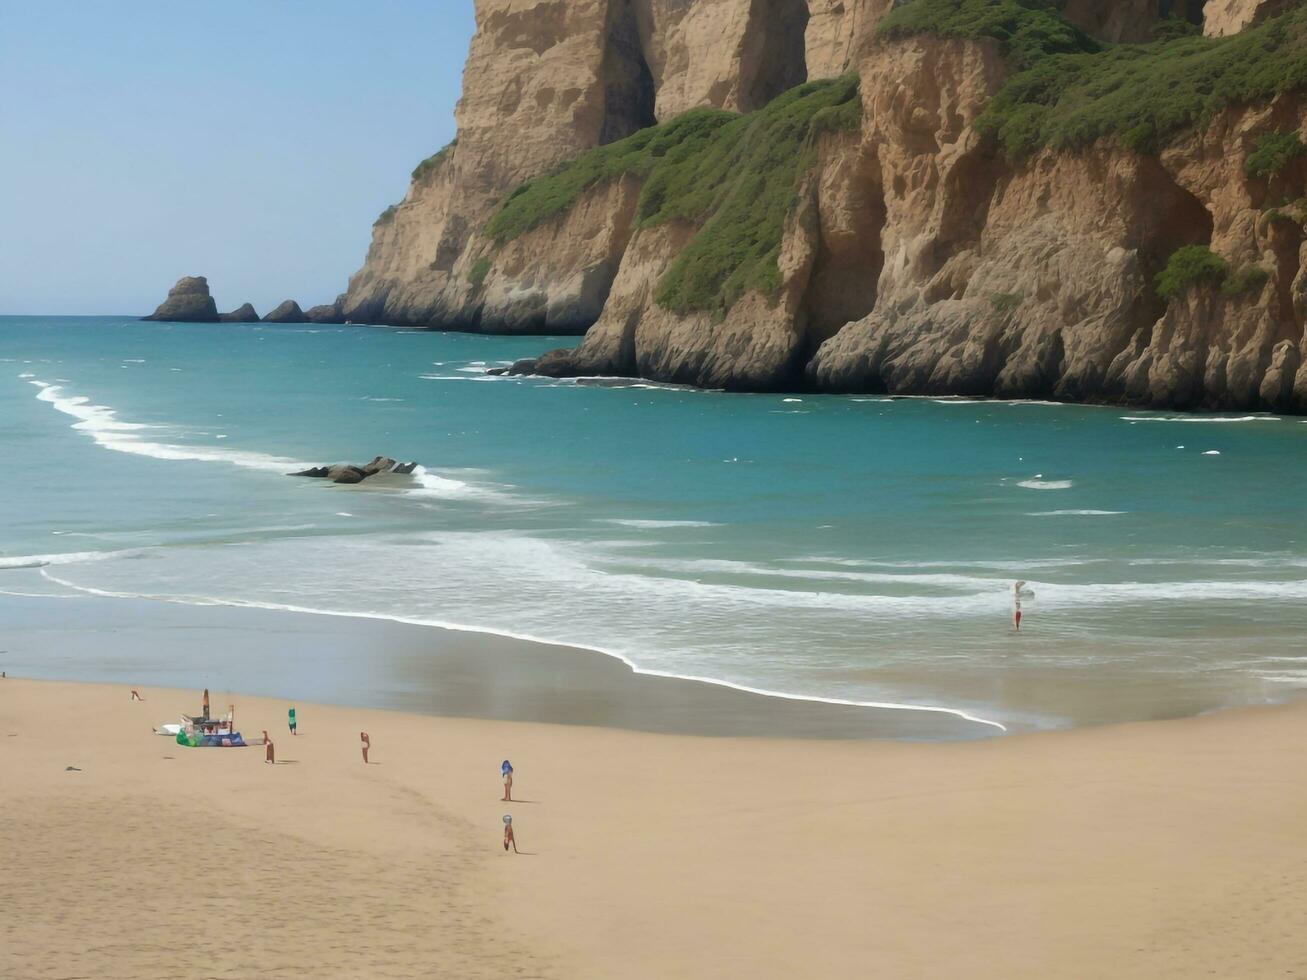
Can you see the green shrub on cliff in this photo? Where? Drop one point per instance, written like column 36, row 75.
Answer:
column 432, row 163
column 480, row 269
column 1273, row 152
column 735, row 176
column 1248, row 280
column 1071, row 90
column 386, row 216
column 1192, row 265
column 670, row 144
column 1027, row 30
column 1145, row 95
column 1198, row 265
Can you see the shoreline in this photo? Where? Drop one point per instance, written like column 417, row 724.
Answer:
column 1144, row 850
column 422, row 668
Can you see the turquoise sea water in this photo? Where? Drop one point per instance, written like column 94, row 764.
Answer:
column 852, row 548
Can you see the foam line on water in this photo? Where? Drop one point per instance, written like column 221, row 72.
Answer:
column 65, row 558
column 651, row 524
column 461, row 628
column 1075, row 513
column 102, row 424
column 1201, row 418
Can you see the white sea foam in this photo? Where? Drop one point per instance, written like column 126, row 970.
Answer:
column 103, row 425
column 632, row 522
column 66, row 558
column 1038, row 483
column 458, row 627
column 1212, row 452
column 1075, row 513
column 1201, row 418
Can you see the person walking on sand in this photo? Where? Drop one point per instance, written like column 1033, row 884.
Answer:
column 206, row 704
column 367, row 744
column 290, row 717
column 508, row 833
column 136, row 695
column 271, row 756
column 506, row 770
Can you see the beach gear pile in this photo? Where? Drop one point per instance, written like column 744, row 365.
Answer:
column 202, row 732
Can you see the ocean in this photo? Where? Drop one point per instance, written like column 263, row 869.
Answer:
column 853, row 549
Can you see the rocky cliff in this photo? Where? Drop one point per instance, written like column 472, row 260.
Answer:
column 1002, row 197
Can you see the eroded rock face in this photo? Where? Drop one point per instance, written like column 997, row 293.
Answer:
column 546, row 80
column 188, row 302
column 287, row 312
column 243, row 314
column 327, row 312
column 915, row 260
column 1224, row 17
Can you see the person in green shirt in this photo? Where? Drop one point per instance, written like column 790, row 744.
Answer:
column 291, row 718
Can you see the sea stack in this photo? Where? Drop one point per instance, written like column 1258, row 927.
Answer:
column 287, row 312
column 246, row 314
column 327, row 312
column 188, row 302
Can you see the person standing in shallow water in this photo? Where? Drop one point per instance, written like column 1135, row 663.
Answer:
column 290, row 718
column 506, row 770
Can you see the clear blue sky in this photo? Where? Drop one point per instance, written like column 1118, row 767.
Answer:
column 250, row 141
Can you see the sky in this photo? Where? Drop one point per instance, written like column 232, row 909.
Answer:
column 250, row 141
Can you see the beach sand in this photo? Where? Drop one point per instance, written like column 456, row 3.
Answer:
column 1160, row 849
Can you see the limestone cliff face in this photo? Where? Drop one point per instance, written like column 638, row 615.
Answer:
column 545, row 80
column 914, row 258
column 1222, row 18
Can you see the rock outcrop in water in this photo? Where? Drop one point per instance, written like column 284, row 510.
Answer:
column 188, row 302
column 327, row 312
column 287, row 312
column 348, row 473
column 944, row 234
column 244, row 314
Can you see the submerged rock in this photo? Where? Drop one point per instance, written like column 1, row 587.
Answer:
column 188, row 302
column 246, row 314
column 287, row 312
column 348, row 473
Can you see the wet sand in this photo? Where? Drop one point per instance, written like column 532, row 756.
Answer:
column 378, row 663
column 1153, row 850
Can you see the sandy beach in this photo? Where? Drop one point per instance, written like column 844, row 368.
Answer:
column 1161, row 849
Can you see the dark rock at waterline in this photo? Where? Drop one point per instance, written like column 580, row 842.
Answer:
column 246, row 314
column 526, row 365
column 188, row 302
column 344, row 473
column 348, row 473
column 327, row 312
column 287, row 312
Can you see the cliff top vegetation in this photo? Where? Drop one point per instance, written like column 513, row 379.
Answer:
column 735, row 175
column 1070, row 90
